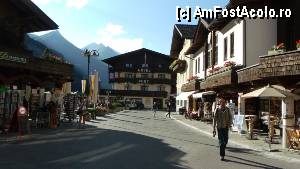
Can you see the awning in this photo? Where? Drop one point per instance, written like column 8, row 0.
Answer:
column 199, row 95
column 184, row 95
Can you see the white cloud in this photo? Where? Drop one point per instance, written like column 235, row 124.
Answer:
column 111, row 35
column 111, row 30
column 77, row 3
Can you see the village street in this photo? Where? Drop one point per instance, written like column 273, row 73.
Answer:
column 128, row 140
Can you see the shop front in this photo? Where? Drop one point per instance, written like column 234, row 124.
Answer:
column 281, row 71
column 203, row 104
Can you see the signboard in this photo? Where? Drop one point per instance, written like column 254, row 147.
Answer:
column 6, row 56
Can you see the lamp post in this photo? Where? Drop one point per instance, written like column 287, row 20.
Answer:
column 88, row 53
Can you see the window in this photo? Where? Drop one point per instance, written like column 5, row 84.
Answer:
column 128, row 75
column 111, row 75
column 196, row 66
column 209, row 55
column 161, row 76
column 144, row 75
column 116, row 74
column 232, row 44
column 216, row 50
column 144, row 65
column 225, row 49
column 127, row 87
column 180, row 102
column 177, row 102
column 144, row 88
column 161, row 88
column 128, row 65
column 199, row 65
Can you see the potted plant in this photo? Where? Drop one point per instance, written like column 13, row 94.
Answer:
column 280, row 48
column 298, row 44
column 276, row 49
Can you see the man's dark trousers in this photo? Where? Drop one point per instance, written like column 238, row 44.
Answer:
column 223, row 140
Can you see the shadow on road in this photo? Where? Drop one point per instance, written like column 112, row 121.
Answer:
column 250, row 163
column 91, row 148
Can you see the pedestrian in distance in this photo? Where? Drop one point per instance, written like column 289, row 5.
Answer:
column 222, row 121
column 154, row 108
column 169, row 109
column 81, row 112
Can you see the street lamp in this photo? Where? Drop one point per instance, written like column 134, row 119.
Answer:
column 88, row 54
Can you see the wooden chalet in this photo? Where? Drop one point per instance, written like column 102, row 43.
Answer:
column 17, row 65
column 142, row 75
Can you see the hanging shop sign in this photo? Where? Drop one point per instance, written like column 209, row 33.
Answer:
column 6, row 56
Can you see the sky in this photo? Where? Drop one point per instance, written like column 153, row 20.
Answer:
column 124, row 25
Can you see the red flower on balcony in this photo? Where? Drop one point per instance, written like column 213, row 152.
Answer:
column 229, row 63
column 215, row 69
column 192, row 78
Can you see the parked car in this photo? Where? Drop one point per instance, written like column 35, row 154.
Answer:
column 136, row 106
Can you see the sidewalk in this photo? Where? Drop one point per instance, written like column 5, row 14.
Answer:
column 41, row 133
column 259, row 146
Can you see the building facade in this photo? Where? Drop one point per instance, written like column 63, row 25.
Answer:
column 23, row 77
column 183, row 64
column 141, row 76
column 232, row 56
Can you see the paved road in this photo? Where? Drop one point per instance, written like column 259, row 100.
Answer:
column 129, row 140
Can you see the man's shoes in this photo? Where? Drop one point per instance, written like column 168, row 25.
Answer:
column 222, row 158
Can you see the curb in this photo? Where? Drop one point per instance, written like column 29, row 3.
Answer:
column 258, row 151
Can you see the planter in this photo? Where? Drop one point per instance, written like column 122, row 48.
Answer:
column 272, row 52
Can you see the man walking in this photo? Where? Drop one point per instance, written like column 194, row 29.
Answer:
column 222, row 120
column 154, row 108
column 169, row 109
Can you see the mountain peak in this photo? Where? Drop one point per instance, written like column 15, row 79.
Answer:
column 105, row 51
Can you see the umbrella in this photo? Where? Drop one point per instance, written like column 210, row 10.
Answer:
column 264, row 92
column 271, row 92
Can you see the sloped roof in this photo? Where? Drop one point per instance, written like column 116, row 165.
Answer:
column 220, row 22
column 180, row 33
column 139, row 52
column 186, row 31
column 36, row 20
column 200, row 35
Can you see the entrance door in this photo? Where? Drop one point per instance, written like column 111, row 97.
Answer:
column 159, row 102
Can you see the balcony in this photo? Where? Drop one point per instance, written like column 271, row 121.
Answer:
column 135, row 93
column 142, row 80
column 223, row 77
column 192, row 85
column 178, row 66
column 249, row 74
column 151, row 69
column 280, row 65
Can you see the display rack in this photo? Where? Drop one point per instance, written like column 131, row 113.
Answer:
column 70, row 105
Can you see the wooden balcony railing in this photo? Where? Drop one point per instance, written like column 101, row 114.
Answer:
column 142, row 80
column 135, row 93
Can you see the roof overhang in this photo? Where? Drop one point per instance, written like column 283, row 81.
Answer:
column 34, row 18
